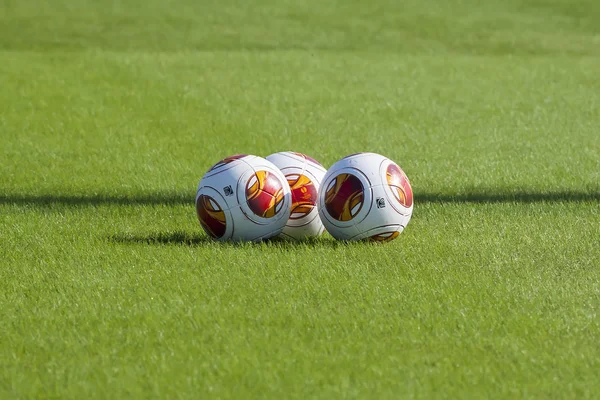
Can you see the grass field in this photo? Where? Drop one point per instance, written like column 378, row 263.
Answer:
column 111, row 111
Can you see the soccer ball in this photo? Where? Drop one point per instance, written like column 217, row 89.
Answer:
column 365, row 196
column 243, row 197
column 304, row 175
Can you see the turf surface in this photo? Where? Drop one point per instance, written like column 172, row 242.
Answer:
column 111, row 111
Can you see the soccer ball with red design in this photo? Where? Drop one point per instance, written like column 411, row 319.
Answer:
column 243, row 197
column 365, row 196
column 304, row 175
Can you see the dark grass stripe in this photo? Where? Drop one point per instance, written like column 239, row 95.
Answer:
column 175, row 198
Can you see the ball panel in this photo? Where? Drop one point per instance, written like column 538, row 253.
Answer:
column 304, row 195
column 382, row 233
column 264, row 194
column 310, row 228
column 332, row 223
column 227, row 184
column 211, row 216
column 354, row 155
column 399, row 184
column 254, row 194
column 385, row 210
column 308, row 158
column 347, row 233
column 230, row 170
column 303, row 175
column 266, row 181
column 344, row 197
column 265, row 205
column 387, row 201
column 226, row 161
column 300, row 210
column 249, row 230
column 385, row 236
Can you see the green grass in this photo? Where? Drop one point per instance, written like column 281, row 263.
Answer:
column 110, row 112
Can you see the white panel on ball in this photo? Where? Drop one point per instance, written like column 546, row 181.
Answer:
column 365, row 196
column 304, row 175
column 243, row 197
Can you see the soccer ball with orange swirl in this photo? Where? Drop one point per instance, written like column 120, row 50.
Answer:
column 365, row 196
column 243, row 198
column 304, row 175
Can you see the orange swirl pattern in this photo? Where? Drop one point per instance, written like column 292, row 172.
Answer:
column 304, row 195
column 344, row 198
column 211, row 217
column 385, row 237
column 264, row 194
column 400, row 185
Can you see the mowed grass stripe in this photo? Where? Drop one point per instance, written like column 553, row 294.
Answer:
column 137, row 119
column 188, row 198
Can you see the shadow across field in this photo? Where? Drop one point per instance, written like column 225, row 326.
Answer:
column 159, row 198
column 508, row 197
column 185, row 198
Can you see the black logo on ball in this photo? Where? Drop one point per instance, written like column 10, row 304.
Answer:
column 380, row 202
column 228, row 190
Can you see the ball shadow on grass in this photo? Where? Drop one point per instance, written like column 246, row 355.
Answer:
column 194, row 239
column 157, row 238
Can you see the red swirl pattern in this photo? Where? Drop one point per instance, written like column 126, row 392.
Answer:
column 264, row 194
column 304, row 195
column 345, row 197
column 211, row 217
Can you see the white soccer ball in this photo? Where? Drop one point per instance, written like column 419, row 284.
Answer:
column 365, row 196
column 304, row 175
column 243, row 197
